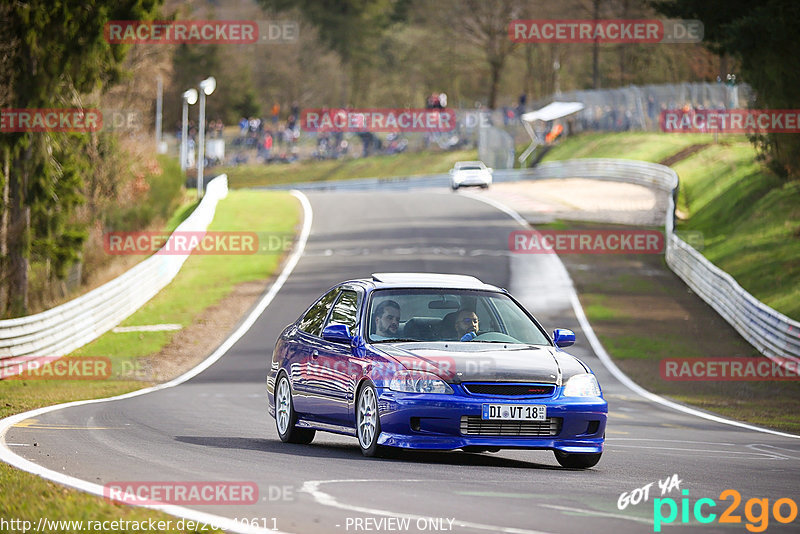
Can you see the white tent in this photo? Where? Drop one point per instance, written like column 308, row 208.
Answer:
column 550, row 112
column 553, row 111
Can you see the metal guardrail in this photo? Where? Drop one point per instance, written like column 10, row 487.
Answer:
column 64, row 328
column 769, row 331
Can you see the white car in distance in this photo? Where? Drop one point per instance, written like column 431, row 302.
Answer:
column 470, row 173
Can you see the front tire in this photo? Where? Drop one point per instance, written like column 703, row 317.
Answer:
column 368, row 425
column 286, row 417
column 368, row 422
column 577, row 460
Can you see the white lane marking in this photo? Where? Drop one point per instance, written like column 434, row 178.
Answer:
column 601, row 353
column 672, row 441
column 502, row 207
column 147, row 328
column 312, row 487
column 225, row 523
column 404, row 251
column 755, row 455
column 596, row 513
column 771, row 449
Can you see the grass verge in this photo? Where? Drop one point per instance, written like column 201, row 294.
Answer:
column 644, row 146
column 750, row 220
column 406, row 164
column 203, row 281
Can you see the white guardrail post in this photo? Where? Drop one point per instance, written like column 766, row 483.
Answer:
column 769, row 331
column 67, row 327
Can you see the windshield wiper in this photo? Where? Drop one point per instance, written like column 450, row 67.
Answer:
column 400, row 339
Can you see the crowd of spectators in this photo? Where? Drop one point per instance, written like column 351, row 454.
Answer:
column 274, row 141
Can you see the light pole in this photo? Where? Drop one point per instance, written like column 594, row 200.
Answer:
column 159, row 102
column 189, row 98
column 206, row 87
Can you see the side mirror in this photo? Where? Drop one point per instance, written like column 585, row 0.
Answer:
column 490, row 169
column 338, row 333
column 563, row 337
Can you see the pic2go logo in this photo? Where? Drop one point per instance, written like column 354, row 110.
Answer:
column 758, row 521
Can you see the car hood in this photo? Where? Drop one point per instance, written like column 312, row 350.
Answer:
column 484, row 362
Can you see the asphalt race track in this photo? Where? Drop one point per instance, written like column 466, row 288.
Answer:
column 216, row 427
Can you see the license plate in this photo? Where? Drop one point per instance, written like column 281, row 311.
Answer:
column 515, row 412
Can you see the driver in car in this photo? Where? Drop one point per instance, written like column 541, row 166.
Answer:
column 387, row 320
column 466, row 325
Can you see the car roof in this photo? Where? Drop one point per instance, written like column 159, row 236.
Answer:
column 432, row 280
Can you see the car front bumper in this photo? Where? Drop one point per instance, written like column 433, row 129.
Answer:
column 434, row 421
column 472, row 181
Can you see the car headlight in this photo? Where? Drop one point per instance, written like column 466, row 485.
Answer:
column 583, row 385
column 418, row 382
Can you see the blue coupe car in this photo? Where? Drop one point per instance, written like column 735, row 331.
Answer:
column 435, row 362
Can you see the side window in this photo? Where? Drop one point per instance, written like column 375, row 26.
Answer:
column 311, row 322
column 487, row 315
column 345, row 311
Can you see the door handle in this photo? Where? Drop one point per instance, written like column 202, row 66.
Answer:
column 315, row 354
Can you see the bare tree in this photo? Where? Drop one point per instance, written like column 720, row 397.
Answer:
column 484, row 25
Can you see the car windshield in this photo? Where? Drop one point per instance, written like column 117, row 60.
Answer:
column 469, row 168
column 402, row 315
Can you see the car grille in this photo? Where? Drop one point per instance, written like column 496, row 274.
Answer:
column 511, row 390
column 473, row 425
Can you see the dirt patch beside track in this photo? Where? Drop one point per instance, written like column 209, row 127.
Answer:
column 683, row 154
column 194, row 343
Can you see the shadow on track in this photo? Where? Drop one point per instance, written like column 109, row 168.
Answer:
column 351, row 452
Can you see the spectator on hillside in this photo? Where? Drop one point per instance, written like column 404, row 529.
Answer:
column 276, row 112
column 433, row 102
column 523, row 99
column 280, row 136
column 266, row 147
column 254, row 123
